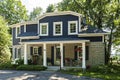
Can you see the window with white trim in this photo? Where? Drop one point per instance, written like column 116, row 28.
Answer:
column 17, row 31
column 44, row 29
column 72, row 27
column 35, row 50
column 57, row 28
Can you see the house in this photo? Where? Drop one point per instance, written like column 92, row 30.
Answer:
column 58, row 39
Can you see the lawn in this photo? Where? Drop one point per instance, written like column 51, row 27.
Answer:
column 109, row 72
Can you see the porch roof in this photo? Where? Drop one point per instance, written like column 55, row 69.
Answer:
column 56, row 40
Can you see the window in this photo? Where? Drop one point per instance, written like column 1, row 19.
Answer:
column 17, row 31
column 72, row 27
column 35, row 50
column 43, row 29
column 57, row 28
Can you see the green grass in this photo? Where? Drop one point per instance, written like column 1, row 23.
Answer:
column 110, row 72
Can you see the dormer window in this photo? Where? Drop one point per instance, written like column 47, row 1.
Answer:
column 57, row 28
column 44, row 29
column 72, row 27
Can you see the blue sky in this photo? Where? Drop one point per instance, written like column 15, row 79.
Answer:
column 30, row 4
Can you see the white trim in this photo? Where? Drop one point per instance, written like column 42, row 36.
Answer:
column 61, row 51
column 24, row 27
column 79, row 24
column 23, row 23
column 16, row 33
column 29, row 37
column 83, row 56
column 91, row 34
column 57, row 14
column 25, row 54
column 41, row 29
column 38, row 28
column 103, row 38
column 54, row 28
column 44, row 55
column 57, row 42
column 69, row 22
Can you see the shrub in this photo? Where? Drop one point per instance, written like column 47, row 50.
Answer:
column 31, row 67
column 8, row 65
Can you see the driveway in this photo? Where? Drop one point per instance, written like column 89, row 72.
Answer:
column 39, row 75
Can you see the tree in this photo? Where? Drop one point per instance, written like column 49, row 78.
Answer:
column 99, row 13
column 13, row 11
column 50, row 8
column 36, row 11
column 4, row 41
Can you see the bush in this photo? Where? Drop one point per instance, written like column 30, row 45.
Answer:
column 31, row 67
column 8, row 65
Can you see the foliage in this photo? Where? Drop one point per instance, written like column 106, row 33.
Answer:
column 31, row 67
column 50, row 8
column 13, row 11
column 7, row 65
column 4, row 41
column 110, row 72
column 99, row 13
column 36, row 11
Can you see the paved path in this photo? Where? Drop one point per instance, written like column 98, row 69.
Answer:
column 39, row 75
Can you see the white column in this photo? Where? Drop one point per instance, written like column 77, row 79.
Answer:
column 25, row 54
column 13, row 53
column 44, row 55
column 61, row 50
column 83, row 56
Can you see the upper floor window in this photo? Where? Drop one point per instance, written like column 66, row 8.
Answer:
column 57, row 28
column 72, row 27
column 17, row 31
column 43, row 29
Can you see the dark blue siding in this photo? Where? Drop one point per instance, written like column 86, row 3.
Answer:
column 22, row 28
column 15, row 40
column 31, row 28
column 94, row 39
column 64, row 19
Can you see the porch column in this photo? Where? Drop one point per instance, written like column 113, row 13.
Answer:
column 83, row 56
column 25, row 54
column 13, row 53
column 44, row 55
column 61, row 50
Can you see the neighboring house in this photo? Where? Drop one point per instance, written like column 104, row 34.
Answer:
column 59, row 39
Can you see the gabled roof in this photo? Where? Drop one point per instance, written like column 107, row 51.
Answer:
column 58, row 13
column 45, row 15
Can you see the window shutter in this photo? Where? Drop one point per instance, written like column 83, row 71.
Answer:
column 31, row 50
column 87, row 52
column 64, row 55
column 52, row 55
column 40, row 50
column 75, row 52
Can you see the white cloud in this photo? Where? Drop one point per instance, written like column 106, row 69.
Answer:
column 30, row 4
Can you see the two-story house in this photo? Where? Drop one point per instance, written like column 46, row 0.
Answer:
column 58, row 39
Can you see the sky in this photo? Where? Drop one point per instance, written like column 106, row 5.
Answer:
column 30, row 4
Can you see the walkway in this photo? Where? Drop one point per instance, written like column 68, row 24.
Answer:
column 39, row 75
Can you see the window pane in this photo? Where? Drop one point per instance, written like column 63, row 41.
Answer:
column 72, row 28
column 18, row 30
column 35, row 50
column 57, row 29
column 44, row 29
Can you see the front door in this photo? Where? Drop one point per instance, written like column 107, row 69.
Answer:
column 57, row 56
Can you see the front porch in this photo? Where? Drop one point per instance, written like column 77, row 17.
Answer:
column 58, row 54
